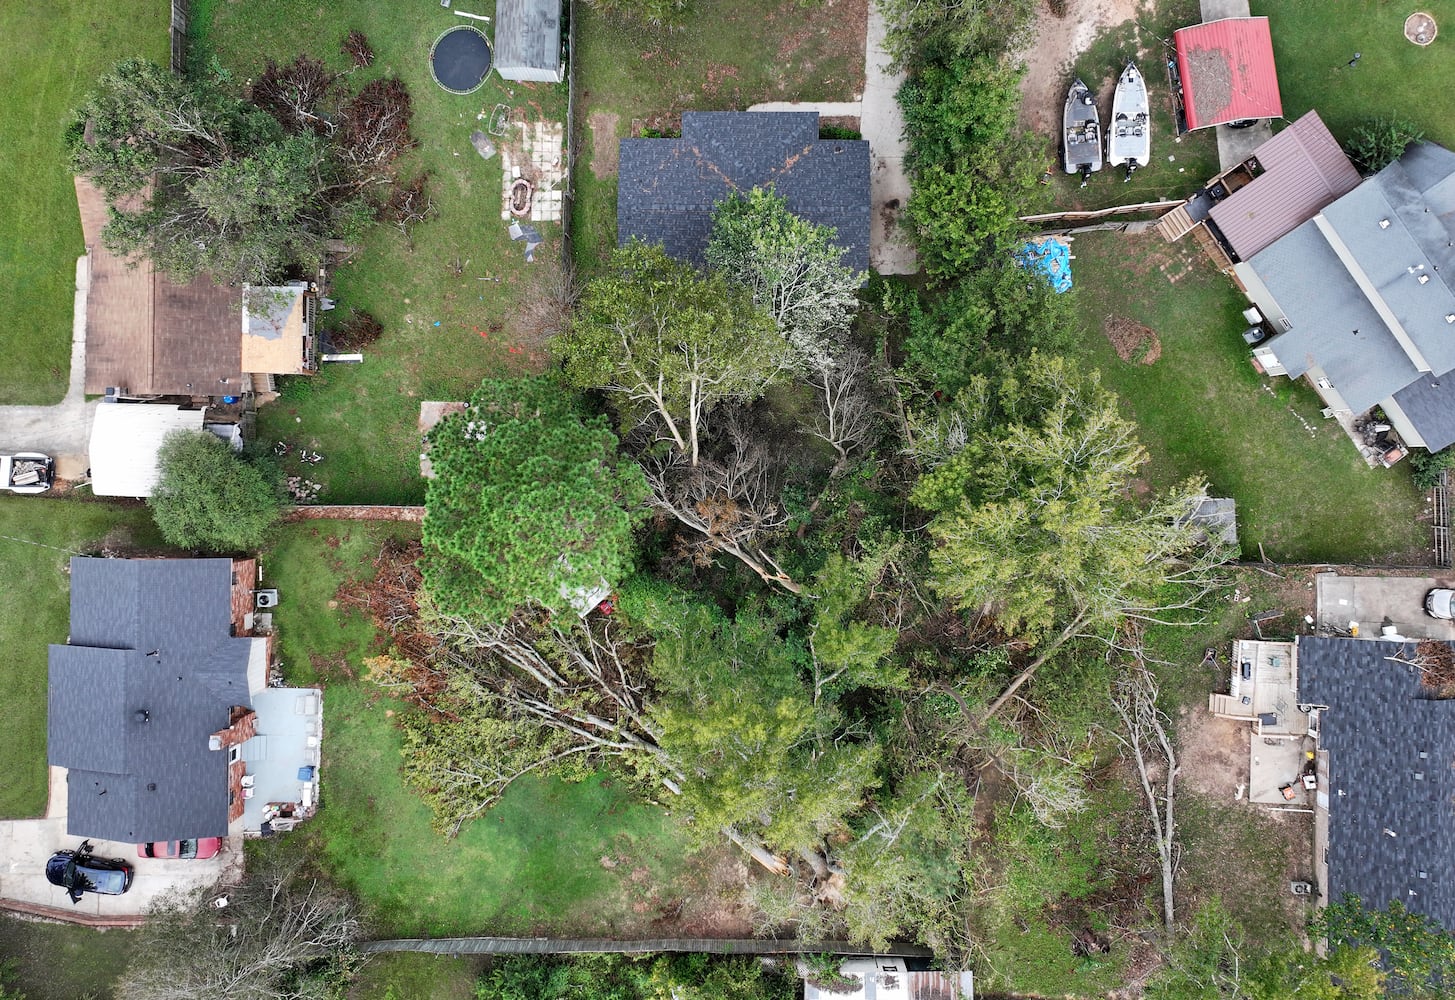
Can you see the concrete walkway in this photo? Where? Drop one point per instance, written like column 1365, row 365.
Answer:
column 1235, row 144
column 63, row 430
column 890, row 249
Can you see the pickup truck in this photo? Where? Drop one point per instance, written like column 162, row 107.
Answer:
column 26, row 472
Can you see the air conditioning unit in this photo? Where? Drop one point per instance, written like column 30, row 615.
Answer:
column 266, row 598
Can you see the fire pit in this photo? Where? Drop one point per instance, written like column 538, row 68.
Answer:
column 460, row 59
column 1420, row 28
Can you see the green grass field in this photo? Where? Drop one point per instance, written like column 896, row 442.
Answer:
column 1302, row 489
column 49, row 57
column 63, row 961
column 417, row 977
column 452, row 299
column 728, row 57
column 532, row 865
column 1313, row 42
column 39, row 536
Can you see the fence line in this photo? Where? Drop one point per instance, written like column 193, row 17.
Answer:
column 568, row 946
column 568, row 200
column 1101, row 213
column 179, row 37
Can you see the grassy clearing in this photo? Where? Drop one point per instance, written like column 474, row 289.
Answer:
column 453, row 297
column 1195, row 155
column 437, row 977
column 64, row 961
column 1302, row 489
column 514, row 871
column 35, row 611
column 51, row 56
column 1314, row 42
column 730, row 56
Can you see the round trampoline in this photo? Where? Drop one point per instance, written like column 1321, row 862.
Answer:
column 460, row 59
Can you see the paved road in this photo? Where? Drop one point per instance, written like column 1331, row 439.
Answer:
column 890, row 249
column 63, row 430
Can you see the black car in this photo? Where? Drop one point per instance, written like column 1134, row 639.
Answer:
column 79, row 872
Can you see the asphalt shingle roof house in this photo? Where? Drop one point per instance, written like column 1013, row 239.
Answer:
column 667, row 188
column 151, row 702
column 1362, row 298
column 1389, row 794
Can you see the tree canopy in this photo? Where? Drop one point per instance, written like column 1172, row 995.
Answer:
column 669, row 343
column 209, row 497
column 793, row 268
column 530, row 503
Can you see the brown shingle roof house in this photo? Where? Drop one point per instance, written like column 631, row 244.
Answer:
column 148, row 335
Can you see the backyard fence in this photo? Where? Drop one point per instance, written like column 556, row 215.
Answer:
column 568, row 201
column 569, row 946
column 179, row 37
column 1102, row 213
column 1441, row 497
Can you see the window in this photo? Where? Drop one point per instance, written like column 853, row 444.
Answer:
column 234, row 754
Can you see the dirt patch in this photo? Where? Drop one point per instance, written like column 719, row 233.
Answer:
column 850, row 122
column 1056, row 40
column 1214, row 754
column 1132, row 341
column 604, row 146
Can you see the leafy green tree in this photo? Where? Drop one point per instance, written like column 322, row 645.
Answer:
column 959, row 112
column 1378, row 142
column 1032, row 516
column 670, row 343
column 953, row 27
column 1416, row 953
column 530, row 503
column 984, row 323
column 793, row 268
column 201, row 181
column 959, row 220
column 208, row 497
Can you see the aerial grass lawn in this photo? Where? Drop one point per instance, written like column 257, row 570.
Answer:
column 1303, row 491
column 50, row 55
column 1314, row 42
column 730, row 55
column 452, row 297
column 64, row 961
column 589, row 858
column 1179, row 165
column 39, row 536
column 404, row 976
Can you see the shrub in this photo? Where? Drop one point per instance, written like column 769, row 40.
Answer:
column 207, row 497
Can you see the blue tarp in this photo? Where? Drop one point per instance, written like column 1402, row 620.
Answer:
column 1051, row 258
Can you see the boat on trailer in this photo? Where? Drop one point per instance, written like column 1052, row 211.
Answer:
column 1081, row 132
column 1129, row 142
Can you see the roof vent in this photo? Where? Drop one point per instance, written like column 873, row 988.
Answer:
column 1383, row 223
column 1450, row 317
column 1415, row 268
column 151, row 786
column 1424, row 278
column 1424, row 874
column 1390, row 833
column 142, row 716
column 1419, row 775
column 1424, row 755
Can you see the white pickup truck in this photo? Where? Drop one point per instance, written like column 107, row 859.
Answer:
column 26, row 472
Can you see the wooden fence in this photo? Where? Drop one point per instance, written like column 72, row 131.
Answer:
column 555, row 946
column 179, row 37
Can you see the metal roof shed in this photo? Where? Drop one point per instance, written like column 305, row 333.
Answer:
column 125, row 439
column 528, row 40
column 1227, row 71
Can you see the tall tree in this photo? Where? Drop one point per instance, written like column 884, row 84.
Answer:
column 671, row 343
column 529, row 504
column 1033, row 519
column 793, row 268
column 208, row 497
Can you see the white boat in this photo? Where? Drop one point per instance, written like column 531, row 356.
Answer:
column 1129, row 141
column 1081, row 132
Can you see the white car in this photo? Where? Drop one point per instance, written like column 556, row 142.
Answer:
column 26, row 472
column 1438, row 603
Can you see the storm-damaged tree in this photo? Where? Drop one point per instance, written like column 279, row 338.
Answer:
column 530, row 503
column 202, row 181
column 793, row 268
column 669, row 344
column 281, row 934
column 1029, row 486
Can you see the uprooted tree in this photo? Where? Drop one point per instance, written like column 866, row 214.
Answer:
column 204, row 182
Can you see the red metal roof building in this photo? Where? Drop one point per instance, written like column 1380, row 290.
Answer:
column 1226, row 72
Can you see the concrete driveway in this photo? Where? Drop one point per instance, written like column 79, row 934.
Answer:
column 26, row 844
column 1368, row 600
column 63, row 430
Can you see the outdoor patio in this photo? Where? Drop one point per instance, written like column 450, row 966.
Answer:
column 281, row 783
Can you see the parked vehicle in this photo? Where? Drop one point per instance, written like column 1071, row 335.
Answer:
column 1130, row 141
column 200, row 849
column 1440, row 603
column 80, row 872
column 26, row 472
column 1081, row 132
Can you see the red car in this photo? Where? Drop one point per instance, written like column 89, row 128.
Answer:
column 201, row 850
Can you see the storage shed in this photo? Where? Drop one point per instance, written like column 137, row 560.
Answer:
column 125, row 440
column 528, row 40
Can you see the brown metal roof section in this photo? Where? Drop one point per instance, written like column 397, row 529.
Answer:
column 148, row 334
column 1303, row 171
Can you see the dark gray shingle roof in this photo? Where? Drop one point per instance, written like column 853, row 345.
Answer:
column 528, row 39
column 132, row 780
column 1391, row 817
column 666, row 188
column 1430, row 405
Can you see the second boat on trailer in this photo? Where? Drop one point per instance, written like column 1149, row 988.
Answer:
column 1081, row 132
column 1130, row 140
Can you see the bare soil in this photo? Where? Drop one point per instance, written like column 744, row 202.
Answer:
column 1055, row 43
column 1132, row 341
column 604, row 145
